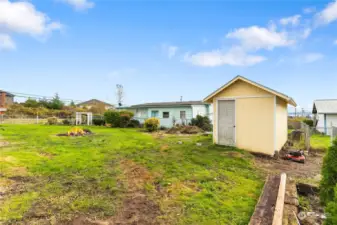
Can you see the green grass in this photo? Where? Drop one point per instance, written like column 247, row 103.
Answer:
column 320, row 142
column 59, row 178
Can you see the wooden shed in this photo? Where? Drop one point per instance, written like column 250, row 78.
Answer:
column 250, row 116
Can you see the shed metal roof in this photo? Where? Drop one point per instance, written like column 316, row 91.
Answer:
column 325, row 106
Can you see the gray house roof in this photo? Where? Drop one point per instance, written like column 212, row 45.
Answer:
column 325, row 106
column 168, row 104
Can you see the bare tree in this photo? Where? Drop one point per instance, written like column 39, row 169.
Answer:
column 120, row 94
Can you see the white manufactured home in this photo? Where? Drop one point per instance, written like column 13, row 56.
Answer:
column 325, row 115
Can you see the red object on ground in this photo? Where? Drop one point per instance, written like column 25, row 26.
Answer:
column 299, row 159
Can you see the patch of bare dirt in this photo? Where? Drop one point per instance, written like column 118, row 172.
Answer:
column 136, row 208
column 310, row 169
column 164, row 147
column 4, row 143
column 46, row 155
column 233, row 154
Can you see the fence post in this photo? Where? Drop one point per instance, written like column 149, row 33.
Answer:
column 306, row 130
column 333, row 133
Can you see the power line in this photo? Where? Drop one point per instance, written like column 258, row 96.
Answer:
column 33, row 96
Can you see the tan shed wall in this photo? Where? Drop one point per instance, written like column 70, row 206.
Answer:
column 255, row 124
column 281, row 123
column 255, row 118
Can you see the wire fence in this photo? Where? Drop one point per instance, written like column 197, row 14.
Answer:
column 313, row 139
column 22, row 119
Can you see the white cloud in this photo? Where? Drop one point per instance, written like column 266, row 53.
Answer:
column 6, row 42
column 80, row 4
column 170, row 50
column 234, row 57
column 306, row 33
column 327, row 15
column 292, row 20
column 22, row 17
column 255, row 37
column 312, row 57
column 119, row 74
column 309, row 10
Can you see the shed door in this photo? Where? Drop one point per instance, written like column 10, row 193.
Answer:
column 226, row 122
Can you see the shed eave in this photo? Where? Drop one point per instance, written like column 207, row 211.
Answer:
column 210, row 97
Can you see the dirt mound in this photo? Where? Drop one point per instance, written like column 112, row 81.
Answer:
column 137, row 208
column 4, row 143
column 185, row 130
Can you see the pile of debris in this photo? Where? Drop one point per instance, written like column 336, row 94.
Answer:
column 76, row 131
column 184, row 130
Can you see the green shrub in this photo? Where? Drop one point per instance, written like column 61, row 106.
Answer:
column 331, row 210
column 134, row 124
column 129, row 113
column 328, row 185
column 113, row 118
column 202, row 122
column 151, row 124
column 98, row 121
column 124, row 120
column 52, row 121
column 309, row 122
column 163, row 128
column 66, row 122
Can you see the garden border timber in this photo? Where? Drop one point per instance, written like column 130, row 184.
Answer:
column 278, row 213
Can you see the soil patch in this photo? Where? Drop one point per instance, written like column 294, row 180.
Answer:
column 310, row 169
column 4, row 143
column 137, row 208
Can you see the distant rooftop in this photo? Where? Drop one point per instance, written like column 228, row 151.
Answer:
column 93, row 102
column 7, row 93
column 325, row 106
column 168, row 104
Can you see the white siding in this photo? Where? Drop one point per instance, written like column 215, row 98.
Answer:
column 199, row 110
column 202, row 111
column 320, row 123
column 331, row 120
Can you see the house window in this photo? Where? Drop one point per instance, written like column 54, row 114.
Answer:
column 182, row 115
column 166, row 114
column 155, row 114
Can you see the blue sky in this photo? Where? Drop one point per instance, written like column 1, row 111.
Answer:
column 161, row 50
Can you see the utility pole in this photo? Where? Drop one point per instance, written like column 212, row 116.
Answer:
column 120, row 94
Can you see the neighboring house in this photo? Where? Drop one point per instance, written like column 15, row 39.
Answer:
column 250, row 116
column 325, row 115
column 6, row 99
column 95, row 103
column 170, row 113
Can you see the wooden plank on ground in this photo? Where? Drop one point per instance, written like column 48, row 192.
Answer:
column 264, row 210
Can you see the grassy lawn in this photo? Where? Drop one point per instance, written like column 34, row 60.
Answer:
column 320, row 142
column 45, row 178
